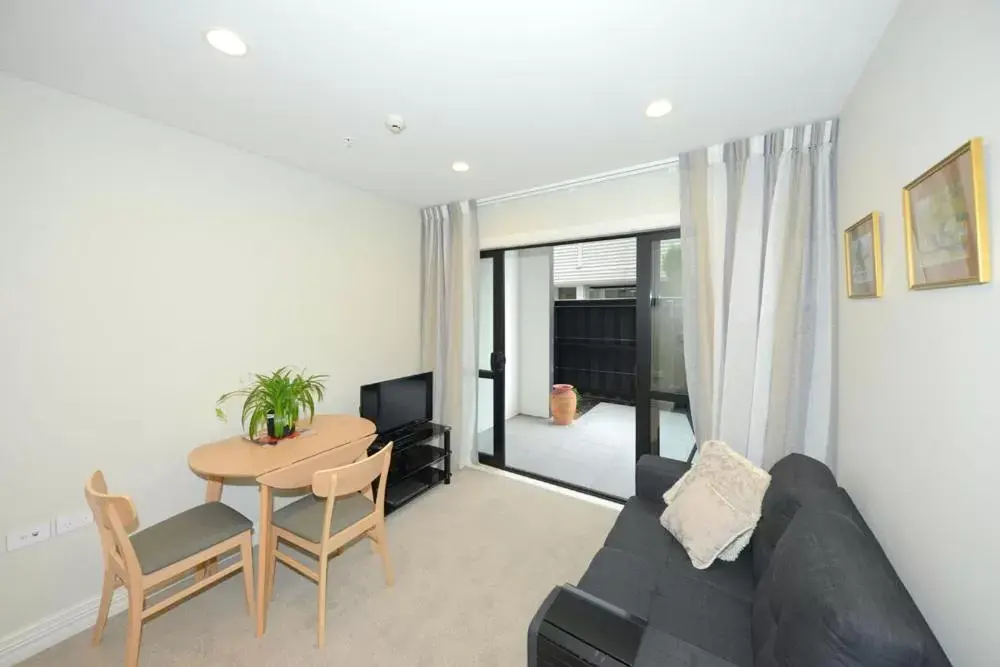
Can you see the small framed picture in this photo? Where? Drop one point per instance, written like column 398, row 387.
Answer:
column 863, row 258
column 944, row 212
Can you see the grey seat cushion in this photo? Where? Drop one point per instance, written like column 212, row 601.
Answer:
column 190, row 532
column 693, row 614
column 659, row 649
column 703, row 616
column 735, row 578
column 304, row 517
column 621, row 578
column 637, row 531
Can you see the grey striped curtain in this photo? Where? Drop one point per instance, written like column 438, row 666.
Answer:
column 449, row 262
column 758, row 248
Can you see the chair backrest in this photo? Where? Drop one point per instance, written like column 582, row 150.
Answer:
column 355, row 477
column 115, row 517
column 300, row 475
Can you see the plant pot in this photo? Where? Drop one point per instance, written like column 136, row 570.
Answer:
column 280, row 431
column 563, row 404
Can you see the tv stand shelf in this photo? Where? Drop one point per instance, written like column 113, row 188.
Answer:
column 417, row 465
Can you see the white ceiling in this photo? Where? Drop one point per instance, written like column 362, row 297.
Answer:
column 528, row 92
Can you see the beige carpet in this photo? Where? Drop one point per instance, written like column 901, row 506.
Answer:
column 473, row 560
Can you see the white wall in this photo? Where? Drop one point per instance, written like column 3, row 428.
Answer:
column 512, row 324
column 919, row 371
column 633, row 203
column 143, row 272
column 535, row 333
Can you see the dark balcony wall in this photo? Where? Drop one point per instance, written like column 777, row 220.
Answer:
column 595, row 346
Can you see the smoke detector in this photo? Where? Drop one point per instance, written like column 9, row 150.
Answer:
column 395, row 123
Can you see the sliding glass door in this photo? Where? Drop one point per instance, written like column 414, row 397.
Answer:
column 490, row 426
column 663, row 424
column 602, row 315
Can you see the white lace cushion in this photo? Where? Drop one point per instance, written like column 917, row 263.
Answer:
column 713, row 509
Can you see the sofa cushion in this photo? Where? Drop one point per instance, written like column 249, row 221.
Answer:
column 621, row 578
column 637, row 531
column 703, row 616
column 827, row 599
column 706, row 522
column 796, row 480
column 659, row 649
column 714, row 508
column 304, row 517
column 734, row 579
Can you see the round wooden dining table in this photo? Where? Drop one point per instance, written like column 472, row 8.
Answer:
column 237, row 458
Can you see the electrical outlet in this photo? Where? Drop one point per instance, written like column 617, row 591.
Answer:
column 28, row 536
column 69, row 522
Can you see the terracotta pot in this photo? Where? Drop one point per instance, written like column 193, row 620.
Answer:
column 563, row 404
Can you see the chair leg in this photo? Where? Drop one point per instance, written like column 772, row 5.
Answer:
column 107, row 591
column 246, row 555
column 321, row 610
column 383, row 550
column 134, row 633
column 272, row 563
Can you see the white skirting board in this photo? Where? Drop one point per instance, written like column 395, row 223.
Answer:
column 49, row 631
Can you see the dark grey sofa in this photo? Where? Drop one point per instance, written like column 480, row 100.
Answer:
column 814, row 589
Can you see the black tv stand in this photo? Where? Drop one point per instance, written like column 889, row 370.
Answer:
column 418, row 463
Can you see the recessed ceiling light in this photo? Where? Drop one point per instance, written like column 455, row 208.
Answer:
column 226, row 41
column 659, row 109
column 460, row 166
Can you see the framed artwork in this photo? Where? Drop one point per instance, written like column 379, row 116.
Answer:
column 863, row 258
column 944, row 212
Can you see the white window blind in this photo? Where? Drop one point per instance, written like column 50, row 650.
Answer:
column 595, row 263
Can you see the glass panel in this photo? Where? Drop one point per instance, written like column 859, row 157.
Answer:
column 485, row 314
column 484, row 417
column 671, row 428
column 667, row 374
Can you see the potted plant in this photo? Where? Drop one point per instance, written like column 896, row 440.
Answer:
column 563, row 403
column 274, row 402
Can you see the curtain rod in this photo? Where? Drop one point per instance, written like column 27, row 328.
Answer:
column 577, row 182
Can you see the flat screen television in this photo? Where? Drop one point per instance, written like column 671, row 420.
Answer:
column 399, row 403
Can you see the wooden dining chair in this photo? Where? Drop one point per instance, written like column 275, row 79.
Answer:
column 340, row 509
column 146, row 560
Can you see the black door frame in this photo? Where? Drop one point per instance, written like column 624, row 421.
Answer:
column 643, row 444
column 498, row 362
column 644, row 304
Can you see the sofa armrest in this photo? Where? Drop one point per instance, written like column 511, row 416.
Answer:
column 655, row 474
column 572, row 622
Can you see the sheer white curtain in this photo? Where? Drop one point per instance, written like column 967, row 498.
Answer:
column 757, row 240
column 449, row 262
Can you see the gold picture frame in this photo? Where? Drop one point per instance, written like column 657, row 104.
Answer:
column 947, row 231
column 863, row 258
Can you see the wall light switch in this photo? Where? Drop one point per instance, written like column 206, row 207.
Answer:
column 28, row 536
column 69, row 522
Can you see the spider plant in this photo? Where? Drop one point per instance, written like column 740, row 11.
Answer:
column 276, row 401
